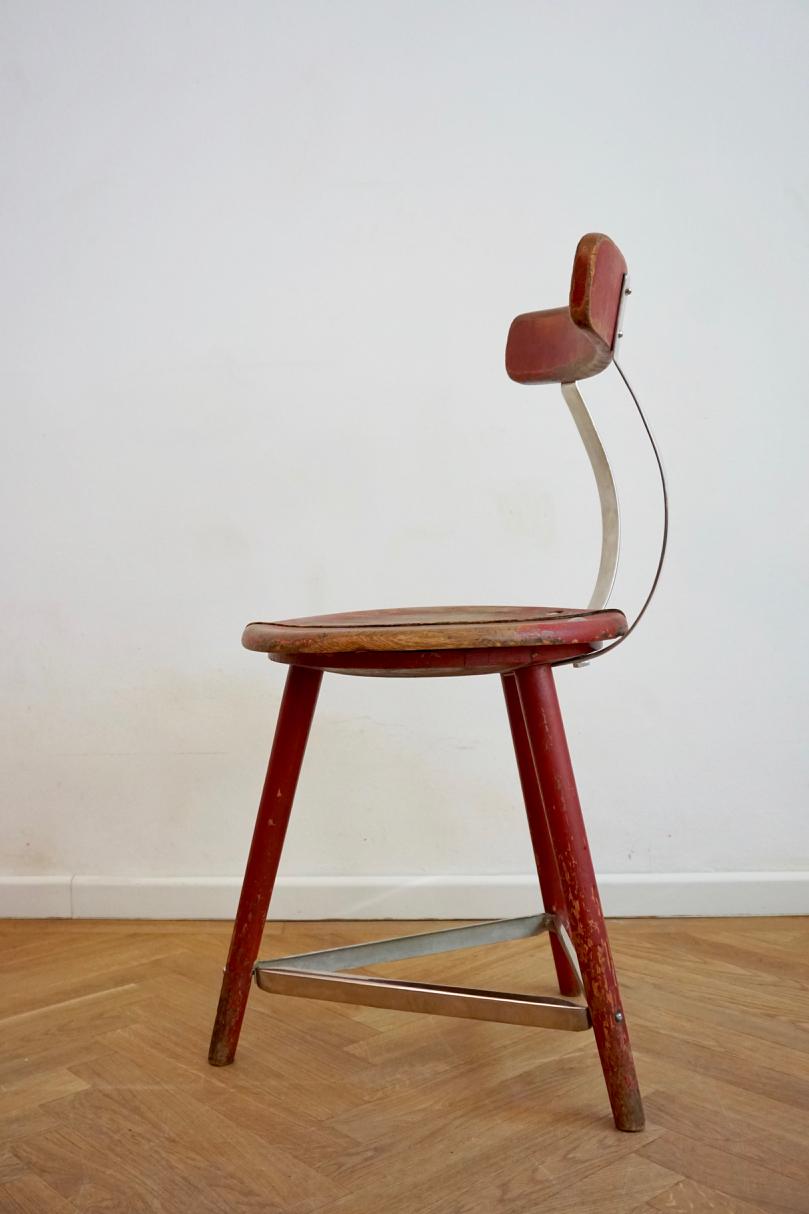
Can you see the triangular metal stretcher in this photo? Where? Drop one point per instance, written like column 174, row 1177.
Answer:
column 320, row 975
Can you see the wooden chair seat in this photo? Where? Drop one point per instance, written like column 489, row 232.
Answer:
column 405, row 630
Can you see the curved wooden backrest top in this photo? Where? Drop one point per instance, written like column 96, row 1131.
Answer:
column 561, row 345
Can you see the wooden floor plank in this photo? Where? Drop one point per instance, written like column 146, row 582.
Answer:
column 735, row 1135
column 686, row 1197
column 29, row 1194
column 728, row 1172
column 107, row 1102
column 725, row 1098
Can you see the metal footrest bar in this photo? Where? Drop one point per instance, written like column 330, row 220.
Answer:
column 317, row 976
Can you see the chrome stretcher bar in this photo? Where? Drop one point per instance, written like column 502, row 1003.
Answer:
column 317, row 976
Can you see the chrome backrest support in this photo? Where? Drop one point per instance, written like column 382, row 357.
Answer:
column 608, row 498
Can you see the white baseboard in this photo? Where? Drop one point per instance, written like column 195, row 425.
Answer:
column 35, row 898
column 625, row 895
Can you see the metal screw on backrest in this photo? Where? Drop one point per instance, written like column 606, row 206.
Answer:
column 627, row 291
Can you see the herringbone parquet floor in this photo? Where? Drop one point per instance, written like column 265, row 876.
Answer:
column 107, row 1102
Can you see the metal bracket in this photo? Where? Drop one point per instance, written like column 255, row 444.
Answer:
column 318, row 976
column 626, row 291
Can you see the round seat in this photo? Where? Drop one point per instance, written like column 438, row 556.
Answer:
column 416, row 629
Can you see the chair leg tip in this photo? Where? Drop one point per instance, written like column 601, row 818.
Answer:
column 630, row 1118
column 220, row 1056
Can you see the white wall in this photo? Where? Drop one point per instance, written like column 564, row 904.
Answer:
column 260, row 260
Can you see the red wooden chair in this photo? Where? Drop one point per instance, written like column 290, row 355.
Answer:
column 522, row 645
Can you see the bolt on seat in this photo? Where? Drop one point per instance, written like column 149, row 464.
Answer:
column 522, row 644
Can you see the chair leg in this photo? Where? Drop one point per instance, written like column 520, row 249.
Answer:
column 547, row 871
column 286, row 757
column 587, row 928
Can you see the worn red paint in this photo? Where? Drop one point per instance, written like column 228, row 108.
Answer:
column 552, row 897
column 433, row 662
column 289, row 744
column 577, row 878
column 561, row 345
column 558, row 836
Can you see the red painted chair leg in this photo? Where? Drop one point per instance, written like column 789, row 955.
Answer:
column 552, row 896
column 586, row 920
column 289, row 744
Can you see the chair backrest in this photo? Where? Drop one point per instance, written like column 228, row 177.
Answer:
column 561, row 345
